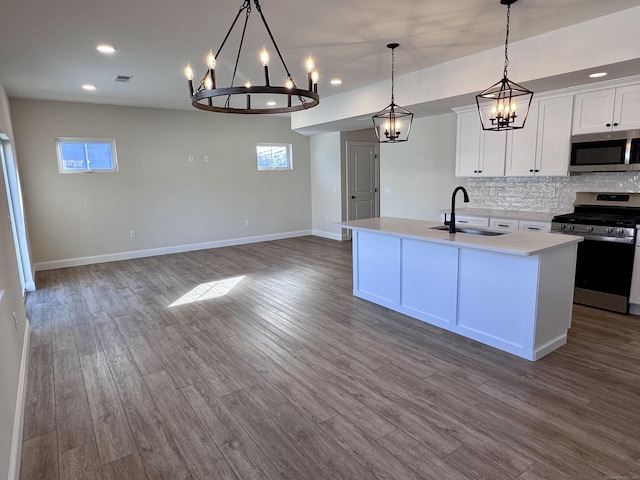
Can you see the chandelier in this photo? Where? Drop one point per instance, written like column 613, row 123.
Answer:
column 393, row 123
column 504, row 105
column 266, row 98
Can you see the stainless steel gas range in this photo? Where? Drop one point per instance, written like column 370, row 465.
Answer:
column 604, row 268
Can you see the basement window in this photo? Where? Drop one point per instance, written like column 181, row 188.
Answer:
column 274, row 156
column 86, row 155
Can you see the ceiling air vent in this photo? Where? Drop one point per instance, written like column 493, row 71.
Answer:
column 122, row 78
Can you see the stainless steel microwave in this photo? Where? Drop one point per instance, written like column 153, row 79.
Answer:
column 605, row 152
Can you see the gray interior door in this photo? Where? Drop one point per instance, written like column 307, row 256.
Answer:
column 363, row 168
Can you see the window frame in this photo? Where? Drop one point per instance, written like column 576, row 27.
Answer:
column 289, row 150
column 86, row 141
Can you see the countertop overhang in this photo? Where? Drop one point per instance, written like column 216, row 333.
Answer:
column 523, row 243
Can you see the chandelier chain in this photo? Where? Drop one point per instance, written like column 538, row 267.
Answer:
column 392, row 75
column 506, row 43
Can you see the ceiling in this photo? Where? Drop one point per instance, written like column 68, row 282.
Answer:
column 48, row 47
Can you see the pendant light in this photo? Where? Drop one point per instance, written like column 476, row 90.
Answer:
column 250, row 99
column 393, row 124
column 504, row 105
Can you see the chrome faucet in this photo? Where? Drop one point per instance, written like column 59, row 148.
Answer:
column 452, row 218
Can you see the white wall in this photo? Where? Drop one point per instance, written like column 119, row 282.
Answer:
column 420, row 172
column 11, row 338
column 168, row 201
column 326, row 184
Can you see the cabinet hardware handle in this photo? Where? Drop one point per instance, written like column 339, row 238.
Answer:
column 353, row 197
column 479, row 171
column 608, row 125
column 462, row 221
column 533, row 228
column 536, row 170
column 475, row 171
column 615, row 124
column 531, row 170
column 503, row 225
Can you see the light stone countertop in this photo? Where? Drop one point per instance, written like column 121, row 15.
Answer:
column 517, row 242
column 515, row 214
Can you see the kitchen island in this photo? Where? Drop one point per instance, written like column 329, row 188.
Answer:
column 512, row 291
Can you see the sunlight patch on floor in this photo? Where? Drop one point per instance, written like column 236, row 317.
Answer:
column 208, row 291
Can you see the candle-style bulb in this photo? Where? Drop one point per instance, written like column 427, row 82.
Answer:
column 289, row 83
column 208, row 83
column 247, row 84
column 315, row 76
column 211, row 60
column 264, row 56
column 310, row 64
column 188, row 72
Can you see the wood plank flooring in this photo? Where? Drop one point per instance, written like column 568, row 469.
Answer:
column 256, row 362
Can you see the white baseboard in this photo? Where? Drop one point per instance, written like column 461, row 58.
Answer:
column 152, row 252
column 18, row 421
column 330, row 235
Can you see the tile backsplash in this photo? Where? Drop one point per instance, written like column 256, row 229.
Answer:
column 544, row 194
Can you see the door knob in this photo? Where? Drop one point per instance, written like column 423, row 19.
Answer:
column 353, row 197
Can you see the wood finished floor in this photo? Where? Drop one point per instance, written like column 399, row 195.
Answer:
column 278, row 372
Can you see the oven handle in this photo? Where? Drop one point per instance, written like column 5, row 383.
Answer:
column 625, row 240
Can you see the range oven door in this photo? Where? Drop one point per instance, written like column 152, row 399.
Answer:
column 603, row 274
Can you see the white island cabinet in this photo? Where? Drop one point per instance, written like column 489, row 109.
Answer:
column 512, row 291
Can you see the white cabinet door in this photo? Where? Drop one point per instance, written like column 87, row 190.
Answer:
column 593, row 111
column 626, row 112
column 607, row 110
column 468, row 144
column 553, row 145
column 492, row 156
column 478, row 153
column 521, row 146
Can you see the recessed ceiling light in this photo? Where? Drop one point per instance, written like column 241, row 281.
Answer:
column 336, row 81
column 88, row 87
column 598, row 75
column 271, row 103
column 106, row 49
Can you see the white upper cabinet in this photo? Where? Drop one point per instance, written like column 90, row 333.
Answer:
column 521, row 146
column 553, row 144
column 607, row 110
column 478, row 153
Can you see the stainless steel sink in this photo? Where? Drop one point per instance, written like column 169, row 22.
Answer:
column 471, row 231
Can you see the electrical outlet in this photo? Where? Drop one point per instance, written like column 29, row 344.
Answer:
column 492, row 191
column 247, row 223
column 206, row 159
column 387, row 190
column 190, row 158
column 132, row 234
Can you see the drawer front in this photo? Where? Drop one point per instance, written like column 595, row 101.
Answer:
column 534, row 226
column 504, row 223
column 471, row 220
